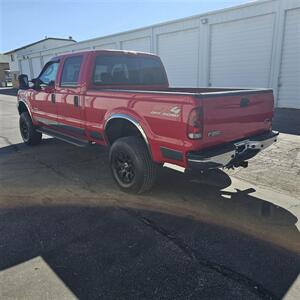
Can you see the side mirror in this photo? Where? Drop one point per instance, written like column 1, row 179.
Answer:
column 36, row 83
column 23, row 82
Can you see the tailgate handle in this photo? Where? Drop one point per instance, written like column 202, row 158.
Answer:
column 244, row 102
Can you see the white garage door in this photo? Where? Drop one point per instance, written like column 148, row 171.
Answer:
column 289, row 90
column 179, row 53
column 25, row 69
column 141, row 44
column 36, row 66
column 241, row 52
column 106, row 46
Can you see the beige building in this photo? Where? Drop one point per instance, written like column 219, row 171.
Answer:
column 4, row 69
column 19, row 58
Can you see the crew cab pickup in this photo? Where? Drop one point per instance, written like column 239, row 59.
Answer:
column 122, row 99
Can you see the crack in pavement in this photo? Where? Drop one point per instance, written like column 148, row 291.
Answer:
column 247, row 282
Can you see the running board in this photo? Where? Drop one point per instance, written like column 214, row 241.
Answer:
column 65, row 138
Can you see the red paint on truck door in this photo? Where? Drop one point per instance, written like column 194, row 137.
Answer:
column 43, row 104
column 70, row 106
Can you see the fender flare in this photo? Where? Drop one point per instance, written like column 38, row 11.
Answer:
column 133, row 121
column 24, row 102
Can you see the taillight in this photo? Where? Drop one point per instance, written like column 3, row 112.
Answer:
column 195, row 124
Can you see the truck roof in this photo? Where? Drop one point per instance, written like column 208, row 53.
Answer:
column 108, row 51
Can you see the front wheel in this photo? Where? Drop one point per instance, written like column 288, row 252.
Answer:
column 28, row 132
column 131, row 165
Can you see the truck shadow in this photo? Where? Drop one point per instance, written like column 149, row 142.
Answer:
column 103, row 243
column 112, row 253
column 8, row 91
column 207, row 196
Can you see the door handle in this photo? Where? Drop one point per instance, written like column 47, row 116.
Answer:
column 53, row 98
column 76, row 101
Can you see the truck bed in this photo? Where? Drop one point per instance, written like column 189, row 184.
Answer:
column 229, row 114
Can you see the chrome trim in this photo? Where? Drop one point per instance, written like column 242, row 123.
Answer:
column 225, row 158
column 133, row 121
column 174, row 167
column 222, row 159
column 258, row 145
column 262, row 144
column 238, row 91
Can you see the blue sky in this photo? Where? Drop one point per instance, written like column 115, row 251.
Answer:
column 26, row 21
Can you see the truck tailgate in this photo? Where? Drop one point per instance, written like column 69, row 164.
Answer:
column 230, row 116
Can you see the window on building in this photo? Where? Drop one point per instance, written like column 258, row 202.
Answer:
column 12, row 58
column 71, row 70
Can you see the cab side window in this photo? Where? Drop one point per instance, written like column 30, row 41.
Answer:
column 71, row 70
column 48, row 75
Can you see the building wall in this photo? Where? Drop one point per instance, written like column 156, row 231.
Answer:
column 3, row 67
column 23, row 56
column 251, row 45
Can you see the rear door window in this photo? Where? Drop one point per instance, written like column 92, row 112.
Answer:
column 128, row 70
column 71, row 71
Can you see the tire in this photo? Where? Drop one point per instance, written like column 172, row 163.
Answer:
column 28, row 131
column 131, row 165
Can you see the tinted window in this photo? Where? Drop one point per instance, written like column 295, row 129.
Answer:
column 48, row 75
column 71, row 70
column 129, row 70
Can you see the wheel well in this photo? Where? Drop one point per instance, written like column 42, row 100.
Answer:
column 22, row 107
column 117, row 128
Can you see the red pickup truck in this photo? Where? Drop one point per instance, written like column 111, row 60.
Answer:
column 122, row 99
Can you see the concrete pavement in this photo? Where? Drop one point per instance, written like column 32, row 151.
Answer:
column 67, row 230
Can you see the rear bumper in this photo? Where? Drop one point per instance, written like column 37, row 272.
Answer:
column 231, row 154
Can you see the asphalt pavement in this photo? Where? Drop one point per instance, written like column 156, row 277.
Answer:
column 67, row 232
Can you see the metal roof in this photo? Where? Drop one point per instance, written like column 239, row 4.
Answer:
column 37, row 42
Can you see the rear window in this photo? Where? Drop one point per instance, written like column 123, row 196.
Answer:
column 128, row 70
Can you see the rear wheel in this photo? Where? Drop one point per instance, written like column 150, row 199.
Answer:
column 28, row 131
column 131, row 165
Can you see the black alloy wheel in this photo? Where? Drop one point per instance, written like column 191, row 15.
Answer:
column 123, row 167
column 24, row 130
column 131, row 165
column 28, row 131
